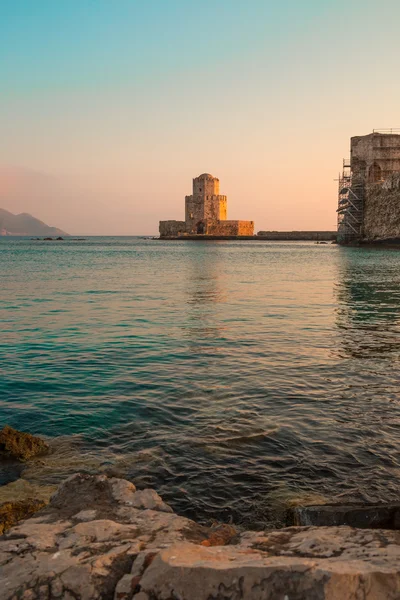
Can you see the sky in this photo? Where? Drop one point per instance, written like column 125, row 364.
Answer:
column 109, row 108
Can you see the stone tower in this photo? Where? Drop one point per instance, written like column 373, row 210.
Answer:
column 205, row 214
column 376, row 156
column 369, row 189
column 205, row 205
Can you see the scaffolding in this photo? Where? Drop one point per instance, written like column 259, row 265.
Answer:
column 350, row 206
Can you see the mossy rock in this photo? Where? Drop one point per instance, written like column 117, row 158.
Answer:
column 21, row 446
column 12, row 512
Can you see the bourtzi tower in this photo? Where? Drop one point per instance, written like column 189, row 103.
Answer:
column 205, row 213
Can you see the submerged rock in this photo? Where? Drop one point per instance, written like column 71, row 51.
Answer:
column 21, row 446
column 65, row 458
column 100, row 538
column 21, row 490
column 10, row 470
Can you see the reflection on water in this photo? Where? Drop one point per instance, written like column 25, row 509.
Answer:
column 368, row 294
column 236, row 378
column 204, row 291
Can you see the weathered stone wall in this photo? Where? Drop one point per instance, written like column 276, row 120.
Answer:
column 245, row 227
column 375, row 156
column 382, row 210
column 199, row 209
column 171, row 228
column 223, row 208
column 194, row 212
column 231, row 228
column 213, row 211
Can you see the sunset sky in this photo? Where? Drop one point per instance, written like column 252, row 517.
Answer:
column 110, row 108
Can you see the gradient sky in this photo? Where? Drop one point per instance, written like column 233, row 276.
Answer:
column 110, row 108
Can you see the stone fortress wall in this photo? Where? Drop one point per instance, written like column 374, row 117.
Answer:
column 232, row 228
column 376, row 156
column 382, row 210
column 375, row 166
column 172, row 228
column 205, row 213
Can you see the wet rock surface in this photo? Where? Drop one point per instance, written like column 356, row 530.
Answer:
column 363, row 516
column 21, row 489
column 19, row 445
column 100, row 538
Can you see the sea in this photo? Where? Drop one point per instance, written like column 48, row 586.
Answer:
column 236, row 378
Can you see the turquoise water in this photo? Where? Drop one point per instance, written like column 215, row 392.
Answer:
column 224, row 374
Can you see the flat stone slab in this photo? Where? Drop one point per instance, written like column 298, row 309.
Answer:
column 296, row 564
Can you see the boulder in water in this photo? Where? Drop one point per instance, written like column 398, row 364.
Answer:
column 21, row 446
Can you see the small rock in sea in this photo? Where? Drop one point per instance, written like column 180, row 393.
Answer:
column 60, row 239
column 12, row 512
column 48, row 239
column 19, row 445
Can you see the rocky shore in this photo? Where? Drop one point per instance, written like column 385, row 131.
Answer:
column 101, row 538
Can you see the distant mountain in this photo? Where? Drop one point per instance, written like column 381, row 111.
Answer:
column 25, row 224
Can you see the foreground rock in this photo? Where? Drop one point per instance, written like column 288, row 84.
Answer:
column 99, row 538
column 20, row 446
column 87, row 539
column 294, row 564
